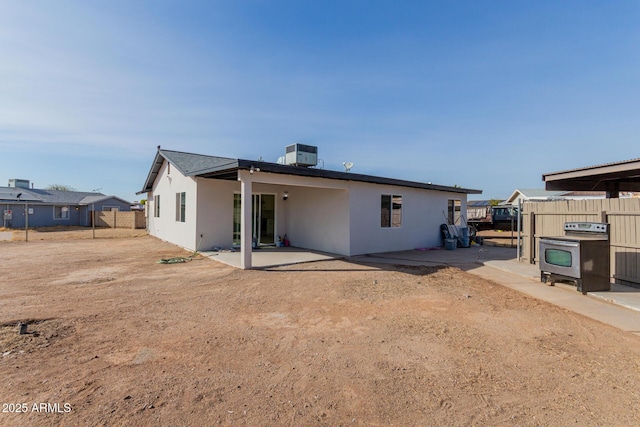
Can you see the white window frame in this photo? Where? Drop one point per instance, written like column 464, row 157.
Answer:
column 110, row 208
column 156, row 206
column 63, row 208
column 454, row 211
column 181, row 206
column 394, row 219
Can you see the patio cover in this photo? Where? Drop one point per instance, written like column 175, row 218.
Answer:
column 610, row 177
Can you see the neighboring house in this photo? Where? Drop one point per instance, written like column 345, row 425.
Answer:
column 48, row 208
column 200, row 202
column 478, row 209
column 539, row 195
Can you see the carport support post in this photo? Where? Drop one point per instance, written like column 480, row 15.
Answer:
column 245, row 219
column 26, row 222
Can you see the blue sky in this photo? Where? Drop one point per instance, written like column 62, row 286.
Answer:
column 481, row 94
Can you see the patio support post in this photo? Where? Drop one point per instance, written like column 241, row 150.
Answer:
column 245, row 219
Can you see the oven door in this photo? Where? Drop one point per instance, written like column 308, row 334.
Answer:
column 560, row 257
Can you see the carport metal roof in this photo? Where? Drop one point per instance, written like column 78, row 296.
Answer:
column 610, row 177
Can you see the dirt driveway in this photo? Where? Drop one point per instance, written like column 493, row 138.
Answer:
column 117, row 339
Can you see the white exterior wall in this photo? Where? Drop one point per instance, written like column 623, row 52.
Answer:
column 166, row 227
column 215, row 212
column 341, row 217
column 422, row 214
column 318, row 218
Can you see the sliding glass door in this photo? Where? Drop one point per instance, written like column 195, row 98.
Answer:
column 262, row 219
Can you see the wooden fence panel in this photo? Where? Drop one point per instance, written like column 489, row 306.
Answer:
column 625, row 245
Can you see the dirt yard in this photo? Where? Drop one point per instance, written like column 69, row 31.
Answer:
column 116, row 339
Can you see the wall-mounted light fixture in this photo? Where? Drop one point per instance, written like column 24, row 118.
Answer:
column 285, row 195
column 252, row 170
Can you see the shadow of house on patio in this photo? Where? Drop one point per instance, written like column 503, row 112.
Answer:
column 274, row 258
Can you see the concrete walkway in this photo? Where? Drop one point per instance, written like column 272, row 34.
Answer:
column 619, row 307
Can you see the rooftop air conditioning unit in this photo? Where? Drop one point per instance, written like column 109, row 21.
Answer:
column 19, row 183
column 301, row 155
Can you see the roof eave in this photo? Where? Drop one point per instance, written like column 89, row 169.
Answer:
column 158, row 160
column 347, row 176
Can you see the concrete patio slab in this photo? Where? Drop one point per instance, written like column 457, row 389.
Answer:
column 266, row 257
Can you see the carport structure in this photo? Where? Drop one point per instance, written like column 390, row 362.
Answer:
column 611, row 178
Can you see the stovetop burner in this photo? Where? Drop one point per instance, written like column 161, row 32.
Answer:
column 585, row 231
column 586, row 227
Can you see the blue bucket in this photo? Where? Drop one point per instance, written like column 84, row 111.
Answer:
column 450, row 244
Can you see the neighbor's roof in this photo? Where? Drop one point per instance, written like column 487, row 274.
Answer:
column 534, row 193
column 623, row 176
column 59, row 197
column 17, row 194
column 478, row 203
column 199, row 165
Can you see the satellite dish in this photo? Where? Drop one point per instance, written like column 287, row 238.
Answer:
column 347, row 166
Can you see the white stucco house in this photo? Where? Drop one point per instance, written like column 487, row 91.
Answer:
column 200, row 202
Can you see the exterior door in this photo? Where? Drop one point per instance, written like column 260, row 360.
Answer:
column 262, row 219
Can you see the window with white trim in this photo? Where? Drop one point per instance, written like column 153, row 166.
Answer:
column 390, row 211
column 454, row 211
column 61, row 212
column 181, row 206
column 156, row 206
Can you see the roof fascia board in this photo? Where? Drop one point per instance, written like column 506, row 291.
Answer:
column 592, row 171
column 347, row 176
column 153, row 173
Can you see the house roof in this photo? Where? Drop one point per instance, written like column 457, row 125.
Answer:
column 540, row 194
column 58, row 197
column 610, row 177
column 199, row 165
column 534, row 193
column 478, row 203
column 17, row 194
